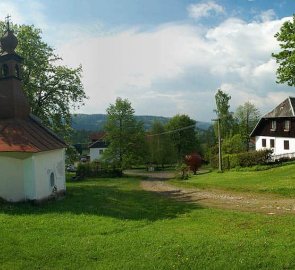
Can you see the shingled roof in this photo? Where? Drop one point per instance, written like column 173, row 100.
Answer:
column 27, row 135
column 285, row 109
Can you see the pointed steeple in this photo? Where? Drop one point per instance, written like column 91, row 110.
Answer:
column 13, row 102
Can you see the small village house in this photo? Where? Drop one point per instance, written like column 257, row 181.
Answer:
column 32, row 157
column 276, row 130
column 97, row 146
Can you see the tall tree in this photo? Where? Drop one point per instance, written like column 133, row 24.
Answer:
column 227, row 123
column 247, row 116
column 183, row 135
column 53, row 89
column 125, row 135
column 161, row 147
column 286, row 57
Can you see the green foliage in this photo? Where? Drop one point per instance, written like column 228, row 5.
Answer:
column 161, row 148
column 125, row 135
column 227, row 123
column 185, row 141
column 246, row 159
column 71, row 155
column 95, row 169
column 53, row 89
column 234, row 144
column 286, row 57
column 182, row 171
column 247, row 116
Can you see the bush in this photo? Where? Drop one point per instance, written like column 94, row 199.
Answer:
column 182, row 171
column 246, row 159
column 95, row 169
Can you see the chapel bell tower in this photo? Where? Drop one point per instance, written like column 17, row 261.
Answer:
column 13, row 102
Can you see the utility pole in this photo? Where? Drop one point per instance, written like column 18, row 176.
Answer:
column 219, row 145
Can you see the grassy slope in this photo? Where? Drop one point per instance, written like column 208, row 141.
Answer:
column 113, row 224
column 279, row 180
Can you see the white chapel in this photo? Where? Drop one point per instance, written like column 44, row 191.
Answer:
column 32, row 157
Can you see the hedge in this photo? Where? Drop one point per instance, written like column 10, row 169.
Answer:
column 94, row 169
column 245, row 159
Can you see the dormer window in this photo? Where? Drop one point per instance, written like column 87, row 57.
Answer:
column 273, row 125
column 287, row 125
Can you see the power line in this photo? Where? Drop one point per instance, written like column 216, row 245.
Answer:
column 171, row 131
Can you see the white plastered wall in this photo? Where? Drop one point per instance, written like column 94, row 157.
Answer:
column 11, row 179
column 46, row 163
column 279, row 144
column 94, row 153
column 27, row 176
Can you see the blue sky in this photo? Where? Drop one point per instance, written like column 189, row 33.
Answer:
column 165, row 56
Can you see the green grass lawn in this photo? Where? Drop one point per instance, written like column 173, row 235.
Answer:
column 113, row 224
column 280, row 180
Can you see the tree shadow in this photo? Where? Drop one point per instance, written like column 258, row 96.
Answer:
column 106, row 200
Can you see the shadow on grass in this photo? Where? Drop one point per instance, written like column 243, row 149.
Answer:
column 99, row 198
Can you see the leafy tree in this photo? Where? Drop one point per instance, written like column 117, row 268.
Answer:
column 233, row 145
column 53, row 89
column 125, row 135
column 286, row 57
column 247, row 116
column 183, row 138
column 161, row 148
column 227, row 123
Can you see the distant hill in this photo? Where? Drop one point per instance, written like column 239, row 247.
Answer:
column 95, row 122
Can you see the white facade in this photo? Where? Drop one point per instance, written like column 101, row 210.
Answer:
column 279, row 144
column 96, row 153
column 31, row 176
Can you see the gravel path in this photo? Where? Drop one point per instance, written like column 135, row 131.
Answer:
column 269, row 204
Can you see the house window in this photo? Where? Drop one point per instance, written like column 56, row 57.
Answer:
column 272, row 143
column 263, row 142
column 52, row 180
column 286, row 145
column 273, row 125
column 100, row 151
column 287, row 125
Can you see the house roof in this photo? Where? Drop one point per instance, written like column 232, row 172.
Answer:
column 27, row 135
column 284, row 109
column 99, row 144
column 97, row 136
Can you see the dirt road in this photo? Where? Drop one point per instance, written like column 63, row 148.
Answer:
column 269, row 204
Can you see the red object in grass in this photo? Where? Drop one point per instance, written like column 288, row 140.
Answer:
column 194, row 161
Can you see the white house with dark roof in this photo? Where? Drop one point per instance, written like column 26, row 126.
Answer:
column 276, row 130
column 32, row 157
column 97, row 146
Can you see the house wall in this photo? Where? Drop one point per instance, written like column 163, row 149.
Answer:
column 46, row 163
column 264, row 128
column 94, row 153
column 279, row 144
column 11, row 179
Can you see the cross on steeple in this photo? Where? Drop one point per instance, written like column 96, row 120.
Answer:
column 7, row 20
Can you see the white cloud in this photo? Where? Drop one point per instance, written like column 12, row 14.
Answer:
column 267, row 15
column 177, row 68
column 205, row 9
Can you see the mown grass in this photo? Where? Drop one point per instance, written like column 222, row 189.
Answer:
column 113, row 224
column 280, row 180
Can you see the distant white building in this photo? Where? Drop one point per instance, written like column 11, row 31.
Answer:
column 276, row 130
column 98, row 146
column 32, row 158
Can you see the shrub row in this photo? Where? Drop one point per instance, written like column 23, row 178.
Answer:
column 93, row 169
column 246, row 159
